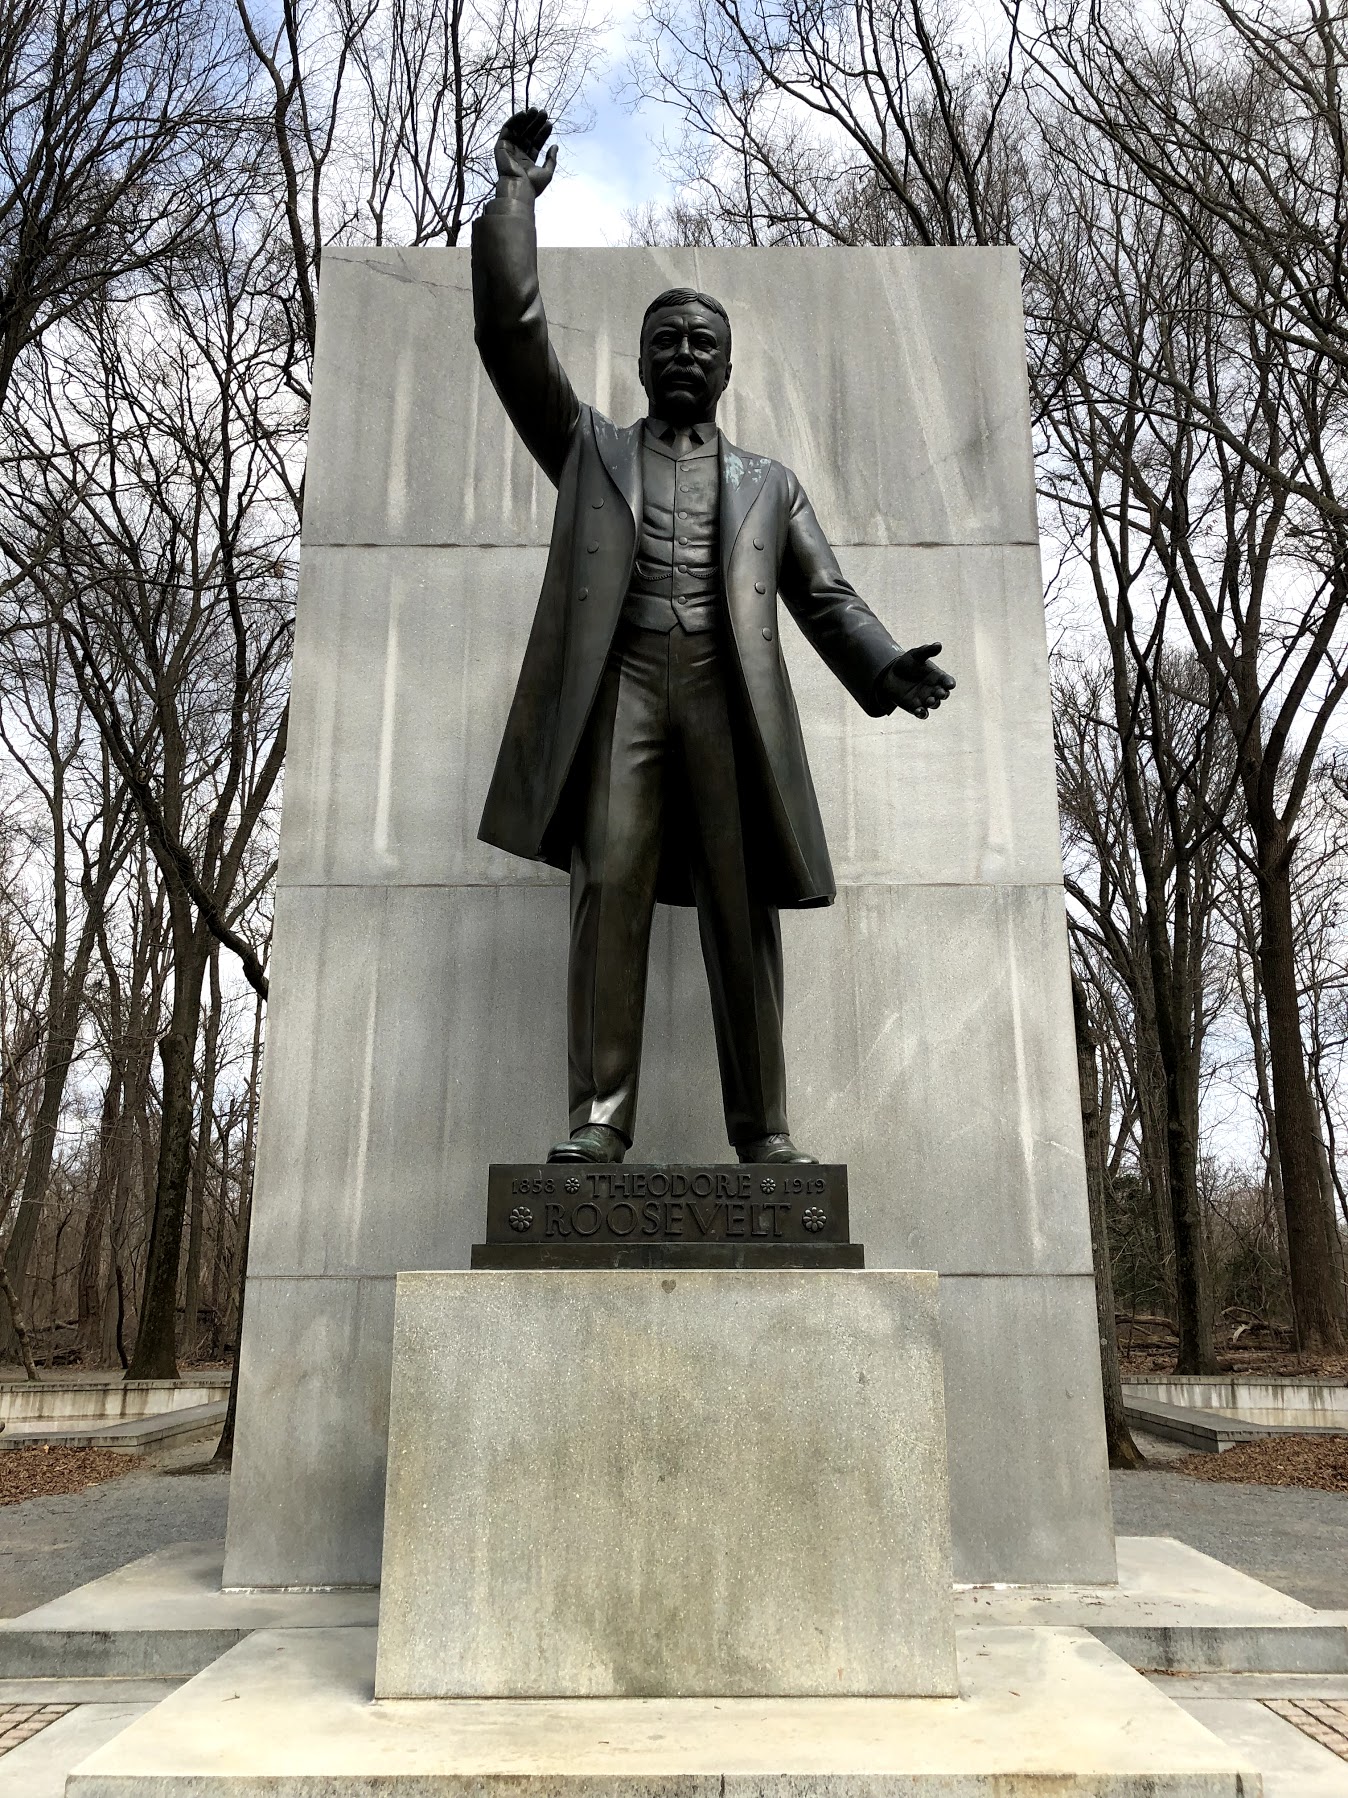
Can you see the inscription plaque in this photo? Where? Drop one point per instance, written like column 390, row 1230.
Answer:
column 559, row 1214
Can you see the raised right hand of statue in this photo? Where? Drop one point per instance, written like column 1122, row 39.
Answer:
column 517, row 148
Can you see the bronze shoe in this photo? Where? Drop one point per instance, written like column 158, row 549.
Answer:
column 592, row 1142
column 773, row 1148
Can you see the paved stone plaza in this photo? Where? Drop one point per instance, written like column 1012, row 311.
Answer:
column 1298, row 1540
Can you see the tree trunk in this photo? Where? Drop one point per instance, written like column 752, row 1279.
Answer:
column 1314, row 1252
column 224, row 1452
column 1123, row 1451
column 201, row 1162
column 1197, row 1353
column 92, row 1290
column 1254, row 1018
column 218, row 1258
column 131, row 1115
column 18, row 1324
column 155, row 1356
column 1152, row 1155
column 1169, row 968
column 67, row 994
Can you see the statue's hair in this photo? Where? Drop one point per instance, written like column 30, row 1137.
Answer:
column 684, row 296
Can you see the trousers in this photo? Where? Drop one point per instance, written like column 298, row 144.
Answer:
column 660, row 737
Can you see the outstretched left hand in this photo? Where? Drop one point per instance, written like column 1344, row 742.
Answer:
column 915, row 683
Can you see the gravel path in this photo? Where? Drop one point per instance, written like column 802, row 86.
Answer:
column 49, row 1545
column 1294, row 1540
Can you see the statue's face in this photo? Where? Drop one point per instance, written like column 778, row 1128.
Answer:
column 685, row 362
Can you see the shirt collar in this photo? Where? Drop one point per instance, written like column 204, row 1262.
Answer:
column 701, row 433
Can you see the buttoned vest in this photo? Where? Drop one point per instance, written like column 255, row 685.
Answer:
column 676, row 578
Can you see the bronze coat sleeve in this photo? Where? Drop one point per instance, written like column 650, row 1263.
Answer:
column 831, row 612
column 511, row 329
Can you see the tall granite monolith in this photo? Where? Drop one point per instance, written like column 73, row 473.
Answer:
column 416, row 1029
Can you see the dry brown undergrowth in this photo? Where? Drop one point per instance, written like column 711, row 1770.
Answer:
column 1318, row 1462
column 46, row 1472
column 1240, row 1363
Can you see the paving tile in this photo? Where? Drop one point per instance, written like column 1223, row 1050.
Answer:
column 41, row 1767
column 1323, row 1720
column 1291, row 1763
column 20, row 1722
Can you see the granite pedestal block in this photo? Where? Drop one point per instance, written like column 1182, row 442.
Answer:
column 1041, row 1714
column 630, row 1484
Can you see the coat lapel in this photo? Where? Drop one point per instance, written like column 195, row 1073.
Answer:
column 620, row 451
column 742, row 478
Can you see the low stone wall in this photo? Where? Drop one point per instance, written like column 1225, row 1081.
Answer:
column 1324, row 1401
column 103, row 1399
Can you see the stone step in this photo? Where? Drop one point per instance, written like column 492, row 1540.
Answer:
column 162, row 1617
column 1208, row 1433
column 1176, row 1610
column 292, row 1712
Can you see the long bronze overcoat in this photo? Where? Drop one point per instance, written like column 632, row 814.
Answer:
column 771, row 542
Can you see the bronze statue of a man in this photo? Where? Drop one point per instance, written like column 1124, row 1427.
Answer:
column 653, row 748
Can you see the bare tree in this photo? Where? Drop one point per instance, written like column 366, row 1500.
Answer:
column 145, row 462
column 436, row 80
column 106, row 109
column 376, row 120
column 887, row 122
column 86, row 830
column 1123, row 1451
column 1104, row 281
column 1226, row 127
column 1143, row 863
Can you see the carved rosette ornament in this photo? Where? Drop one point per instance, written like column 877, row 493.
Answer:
column 767, row 1186
column 521, row 1218
column 814, row 1218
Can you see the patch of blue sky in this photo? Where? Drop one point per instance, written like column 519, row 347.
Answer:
column 608, row 171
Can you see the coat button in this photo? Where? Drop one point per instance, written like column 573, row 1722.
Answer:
column 767, row 636
column 584, row 593
column 758, row 543
column 596, row 503
column 759, row 587
column 592, row 549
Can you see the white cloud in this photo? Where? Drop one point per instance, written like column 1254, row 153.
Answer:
column 608, row 171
